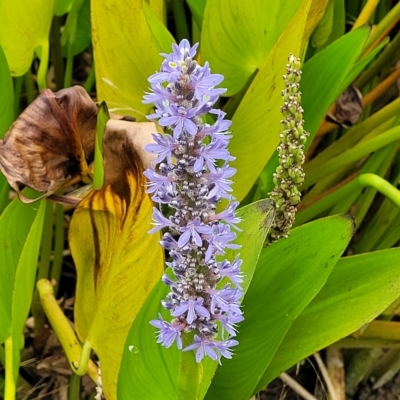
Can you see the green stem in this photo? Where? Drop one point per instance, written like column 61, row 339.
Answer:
column 18, row 81
column 352, row 343
column 64, row 332
column 352, row 155
column 74, row 389
column 356, row 134
column 390, row 17
column 386, row 58
column 29, row 87
column 190, row 374
column 102, row 117
column 365, row 200
column 81, row 369
column 391, row 237
column 375, row 164
column 58, row 246
column 47, row 237
column 4, row 193
column 364, row 180
column 178, row 11
column 10, row 387
column 2, row 355
column 69, row 65
column 90, row 80
column 43, row 66
column 55, row 48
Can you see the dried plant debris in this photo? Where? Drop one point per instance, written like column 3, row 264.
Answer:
column 50, row 141
column 348, row 108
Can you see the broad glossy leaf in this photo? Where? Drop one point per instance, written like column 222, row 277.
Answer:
column 150, row 371
column 117, row 261
column 24, row 27
column 15, row 223
column 256, row 122
column 288, row 276
column 126, row 53
column 238, row 35
column 357, row 291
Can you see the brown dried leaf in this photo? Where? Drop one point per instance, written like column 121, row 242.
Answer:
column 348, row 108
column 54, row 135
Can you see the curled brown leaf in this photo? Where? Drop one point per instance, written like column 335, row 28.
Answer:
column 53, row 138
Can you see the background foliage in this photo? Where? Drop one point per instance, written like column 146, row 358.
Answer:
column 334, row 283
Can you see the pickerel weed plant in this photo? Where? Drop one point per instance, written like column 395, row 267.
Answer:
column 198, row 308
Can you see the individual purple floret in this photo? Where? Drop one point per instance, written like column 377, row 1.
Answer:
column 191, row 175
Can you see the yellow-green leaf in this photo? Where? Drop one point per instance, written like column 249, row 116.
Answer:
column 25, row 27
column 117, row 261
column 126, row 51
column 237, row 36
column 256, row 122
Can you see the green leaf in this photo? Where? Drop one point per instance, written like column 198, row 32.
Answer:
column 61, row 7
column 288, row 276
column 149, row 370
column 339, row 22
column 126, row 53
column 102, row 117
column 238, row 35
column 6, row 117
column 7, row 95
column 324, row 29
column 25, row 28
column 197, row 9
column 161, row 36
column 24, row 281
column 256, row 122
column 357, row 291
column 323, row 78
column 77, row 29
column 15, row 223
column 332, row 69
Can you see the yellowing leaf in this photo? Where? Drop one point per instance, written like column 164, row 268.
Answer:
column 117, row 261
column 25, row 26
column 126, row 52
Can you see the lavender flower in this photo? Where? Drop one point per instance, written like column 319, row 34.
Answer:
column 189, row 178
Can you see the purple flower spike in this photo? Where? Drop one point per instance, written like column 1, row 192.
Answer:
column 186, row 178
